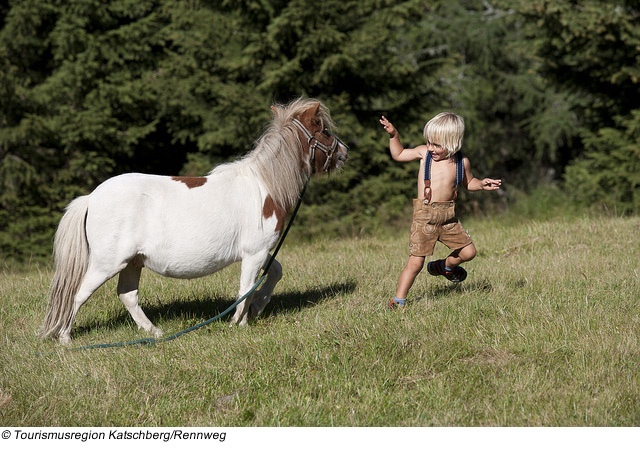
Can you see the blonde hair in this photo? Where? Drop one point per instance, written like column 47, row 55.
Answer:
column 445, row 129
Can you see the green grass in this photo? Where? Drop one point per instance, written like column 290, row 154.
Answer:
column 544, row 332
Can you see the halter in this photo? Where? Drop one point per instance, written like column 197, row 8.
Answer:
column 328, row 151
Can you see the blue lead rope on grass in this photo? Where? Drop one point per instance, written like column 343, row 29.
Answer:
column 148, row 342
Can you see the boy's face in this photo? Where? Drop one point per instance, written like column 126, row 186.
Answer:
column 437, row 151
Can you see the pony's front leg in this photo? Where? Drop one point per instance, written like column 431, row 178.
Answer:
column 262, row 297
column 249, row 270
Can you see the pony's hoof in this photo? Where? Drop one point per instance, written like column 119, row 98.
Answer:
column 253, row 311
column 65, row 339
column 157, row 332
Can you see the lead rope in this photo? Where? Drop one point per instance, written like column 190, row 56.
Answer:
column 148, row 342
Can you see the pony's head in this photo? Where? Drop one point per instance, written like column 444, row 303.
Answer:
column 296, row 144
column 324, row 151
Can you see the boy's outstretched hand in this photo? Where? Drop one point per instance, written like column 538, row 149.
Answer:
column 388, row 126
column 490, row 185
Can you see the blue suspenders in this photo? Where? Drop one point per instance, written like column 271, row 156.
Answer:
column 427, row 173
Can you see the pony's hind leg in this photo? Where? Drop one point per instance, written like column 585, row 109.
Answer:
column 90, row 283
column 128, row 283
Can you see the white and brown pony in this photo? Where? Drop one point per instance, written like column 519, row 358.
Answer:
column 188, row 227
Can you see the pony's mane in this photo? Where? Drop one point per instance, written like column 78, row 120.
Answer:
column 276, row 157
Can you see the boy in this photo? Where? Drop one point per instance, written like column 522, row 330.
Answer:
column 434, row 210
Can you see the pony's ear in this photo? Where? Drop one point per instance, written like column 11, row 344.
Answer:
column 274, row 110
column 311, row 113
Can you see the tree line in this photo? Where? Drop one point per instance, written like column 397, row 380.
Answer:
column 93, row 88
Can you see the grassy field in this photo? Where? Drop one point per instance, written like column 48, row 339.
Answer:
column 545, row 331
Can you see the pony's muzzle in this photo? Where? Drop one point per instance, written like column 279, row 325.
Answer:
column 342, row 155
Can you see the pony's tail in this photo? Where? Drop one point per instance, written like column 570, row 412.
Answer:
column 71, row 257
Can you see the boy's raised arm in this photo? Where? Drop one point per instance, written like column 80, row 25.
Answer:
column 474, row 184
column 398, row 152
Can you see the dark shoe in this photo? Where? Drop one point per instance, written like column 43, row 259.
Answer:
column 455, row 275
column 436, row 268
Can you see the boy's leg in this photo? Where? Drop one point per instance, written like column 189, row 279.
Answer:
column 453, row 235
column 421, row 242
column 459, row 256
column 408, row 275
column 450, row 267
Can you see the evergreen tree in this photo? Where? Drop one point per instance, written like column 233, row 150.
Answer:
column 74, row 106
column 589, row 50
column 93, row 88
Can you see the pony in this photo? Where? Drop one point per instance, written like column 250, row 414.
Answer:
column 189, row 227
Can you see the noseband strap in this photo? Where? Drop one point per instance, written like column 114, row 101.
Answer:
column 315, row 143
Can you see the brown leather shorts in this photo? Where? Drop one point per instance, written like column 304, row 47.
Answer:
column 434, row 222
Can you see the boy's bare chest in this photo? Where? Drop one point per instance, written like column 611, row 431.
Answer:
column 443, row 173
column 443, row 178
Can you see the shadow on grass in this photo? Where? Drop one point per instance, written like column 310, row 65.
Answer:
column 474, row 286
column 196, row 310
column 297, row 300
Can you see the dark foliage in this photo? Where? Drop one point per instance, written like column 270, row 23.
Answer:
column 91, row 88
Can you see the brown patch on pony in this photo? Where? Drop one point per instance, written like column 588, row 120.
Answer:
column 191, row 182
column 269, row 209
